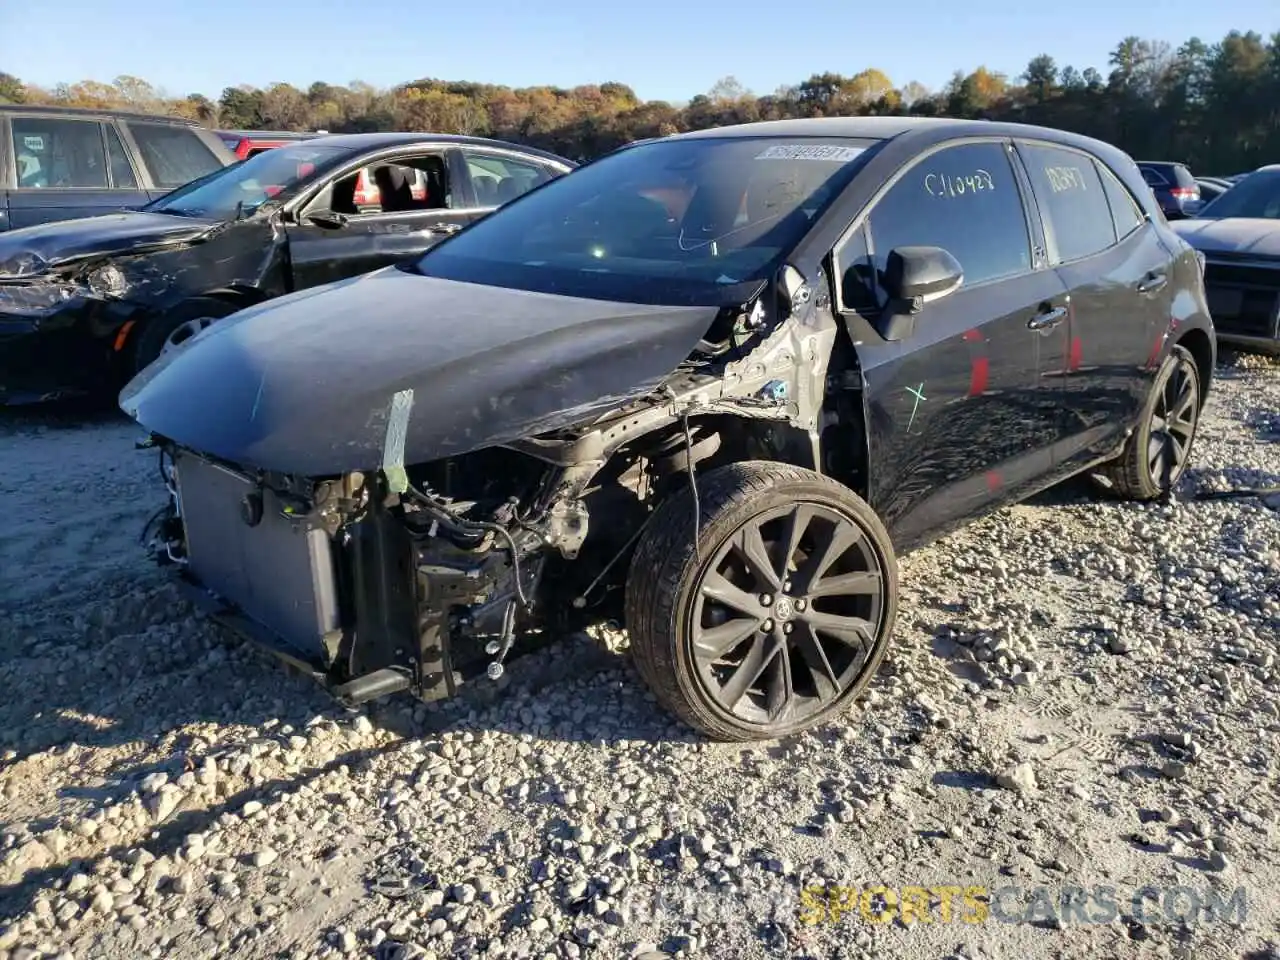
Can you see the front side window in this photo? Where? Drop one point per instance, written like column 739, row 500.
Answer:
column 53, row 154
column 497, row 180
column 173, row 154
column 409, row 184
column 1076, row 214
column 964, row 199
column 1257, row 195
column 238, row 190
column 687, row 220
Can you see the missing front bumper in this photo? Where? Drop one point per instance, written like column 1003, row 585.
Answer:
column 341, row 609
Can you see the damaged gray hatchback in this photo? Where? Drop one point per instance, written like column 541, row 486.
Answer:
column 706, row 386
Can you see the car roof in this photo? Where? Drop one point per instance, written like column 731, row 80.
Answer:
column 888, row 128
column 872, row 128
column 367, row 141
column 93, row 112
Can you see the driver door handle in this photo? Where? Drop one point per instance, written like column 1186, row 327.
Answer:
column 1048, row 319
column 1153, row 281
column 446, row 228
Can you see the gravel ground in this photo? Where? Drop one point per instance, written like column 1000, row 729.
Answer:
column 1081, row 701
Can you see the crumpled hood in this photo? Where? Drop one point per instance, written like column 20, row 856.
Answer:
column 1243, row 235
column 32, row 250
column 394, row 368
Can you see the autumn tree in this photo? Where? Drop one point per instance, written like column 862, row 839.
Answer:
column 11, row 89
column 1215, row 106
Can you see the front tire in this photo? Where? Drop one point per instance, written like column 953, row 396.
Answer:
column 770, row 617
column 1159, row 450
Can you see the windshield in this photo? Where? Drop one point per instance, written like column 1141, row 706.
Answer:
column 1257, row 195
column 241, row 188
column 672, row 221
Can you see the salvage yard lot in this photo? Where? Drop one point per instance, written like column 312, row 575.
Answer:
column 1080, row 694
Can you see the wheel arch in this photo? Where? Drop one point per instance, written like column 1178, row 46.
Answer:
column 1199, row 344
column 240, row 297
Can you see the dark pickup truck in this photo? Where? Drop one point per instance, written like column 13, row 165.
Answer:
column 58, row 163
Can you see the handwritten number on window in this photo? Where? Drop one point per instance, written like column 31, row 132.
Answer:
column 959, row 185
column 1064, row 178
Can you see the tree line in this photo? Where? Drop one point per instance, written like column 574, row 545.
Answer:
column 1213, row 106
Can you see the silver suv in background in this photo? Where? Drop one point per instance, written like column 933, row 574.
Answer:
column 58, row 163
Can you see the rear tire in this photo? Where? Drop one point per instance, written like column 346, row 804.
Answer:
column 1159, row 450
column 175, row 325
column 775, row 614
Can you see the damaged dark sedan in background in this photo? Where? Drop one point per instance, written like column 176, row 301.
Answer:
column 87, row 303
column 708, row 386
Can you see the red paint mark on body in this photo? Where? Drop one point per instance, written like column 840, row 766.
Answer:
column 993, row 481
column 979, row 370
column 972, row 336
column 1077, row 350
column 1155, row 351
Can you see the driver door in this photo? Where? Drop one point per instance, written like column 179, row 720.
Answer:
column 334, row 237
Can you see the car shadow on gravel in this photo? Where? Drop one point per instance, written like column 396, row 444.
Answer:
column 167, row 838
column 59, row 415
column 476, row 709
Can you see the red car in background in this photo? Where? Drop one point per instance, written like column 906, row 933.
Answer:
column 249, row 143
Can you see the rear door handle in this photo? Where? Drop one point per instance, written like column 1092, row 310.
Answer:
column 446, row 229
column 1152, row 282
column 1048, row 319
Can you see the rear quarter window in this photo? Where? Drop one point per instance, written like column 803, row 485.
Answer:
column 173, row 154
column 1126, row 215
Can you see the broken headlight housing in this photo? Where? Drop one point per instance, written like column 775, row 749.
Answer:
column 107, row 282
column 22, row 266
column 33, row 299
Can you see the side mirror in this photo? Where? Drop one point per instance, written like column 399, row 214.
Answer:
column 914, row 276
column 329, row 220
column 921, row 273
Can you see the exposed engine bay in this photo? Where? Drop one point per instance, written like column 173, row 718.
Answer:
column 424, row 576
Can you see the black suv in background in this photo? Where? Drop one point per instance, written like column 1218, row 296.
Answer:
column 1175, row 188
column 57, row 163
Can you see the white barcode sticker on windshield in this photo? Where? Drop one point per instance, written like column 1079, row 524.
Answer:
column 799, row 151
column 33, row 143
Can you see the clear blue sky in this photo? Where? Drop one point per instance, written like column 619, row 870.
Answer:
column 665, row 49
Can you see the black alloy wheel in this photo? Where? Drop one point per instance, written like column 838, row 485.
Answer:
column 777, row 616
column 1173, row 424
column 1158, row 451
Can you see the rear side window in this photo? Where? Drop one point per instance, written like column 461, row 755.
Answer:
column 173, row 155
column 1153, row 177
column 497, row 180
column 58, row 154
column 1077, row 216
column 122, row 176
column 964, row 199
column 1126, row 215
